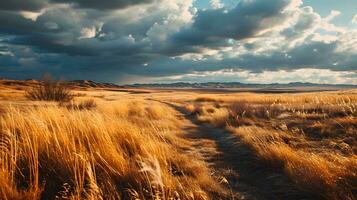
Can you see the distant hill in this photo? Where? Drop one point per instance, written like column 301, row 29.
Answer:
column 91, row 84
column 217, row 86
column 212, row 85
column 73, row 84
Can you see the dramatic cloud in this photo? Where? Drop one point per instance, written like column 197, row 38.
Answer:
column 147, row 39
column 36, row 5
column 248, row 19
column 21, row 5
column 100, row 4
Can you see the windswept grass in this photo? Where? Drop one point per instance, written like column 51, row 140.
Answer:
column 87, row 104
column 125, row 150
column 331, row 176
column 312, row 138
column 121, row 145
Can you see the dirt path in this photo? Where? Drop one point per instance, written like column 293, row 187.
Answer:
column 229, row 159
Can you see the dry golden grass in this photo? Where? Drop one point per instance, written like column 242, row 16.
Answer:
column 87, row 104
column 312, row 138
column 330, row 176
column 126, row 145
column 121, row 150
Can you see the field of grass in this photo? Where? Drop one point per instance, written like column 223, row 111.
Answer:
column 97, row 149
column 312, row 137
column 133, row 144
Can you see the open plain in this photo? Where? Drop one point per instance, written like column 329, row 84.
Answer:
column 142, row 143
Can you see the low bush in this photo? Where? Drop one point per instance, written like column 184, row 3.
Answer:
column 50, row 90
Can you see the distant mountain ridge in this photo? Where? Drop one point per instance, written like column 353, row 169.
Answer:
column 239, row 85
column 207, row 85
column 91, row 84
column 73, row 83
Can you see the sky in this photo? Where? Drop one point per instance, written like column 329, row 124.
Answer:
column 147, row 41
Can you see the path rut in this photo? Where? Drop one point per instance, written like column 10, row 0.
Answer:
column 229, row 159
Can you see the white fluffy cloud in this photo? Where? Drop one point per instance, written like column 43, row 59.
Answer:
column 216, row 4
column 88, row 32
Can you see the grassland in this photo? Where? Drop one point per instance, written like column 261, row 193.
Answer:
column 141, row 144
column 310, row 137
column 110, row 149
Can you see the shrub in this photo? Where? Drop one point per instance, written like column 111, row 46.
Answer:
column 50, row 90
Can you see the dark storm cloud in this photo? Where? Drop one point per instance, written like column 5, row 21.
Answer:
column 315, row 54
column 60, row 31
column 8, row 62
column 75, row 41
column 38, row 33
column 103, row 4
column 22, row 5
column 57, row 30
column 247, row 19
column 311, row 54
column 55, row 39
column 36, row 5
column 14, row 24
